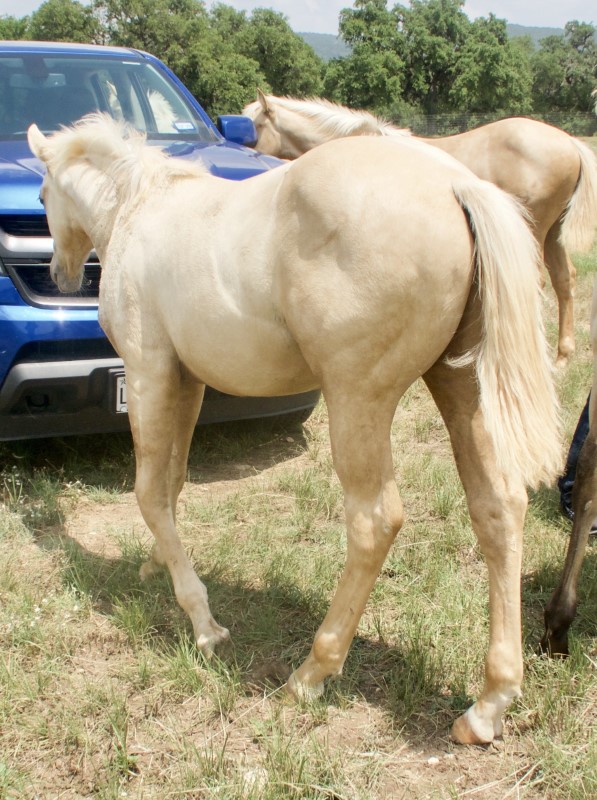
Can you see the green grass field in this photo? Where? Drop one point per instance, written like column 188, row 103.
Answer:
column 104, row 696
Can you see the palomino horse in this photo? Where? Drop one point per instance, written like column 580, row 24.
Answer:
column 553, row 175
column 561, row 609
column 357, row 280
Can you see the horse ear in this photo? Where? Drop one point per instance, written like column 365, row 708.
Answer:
column 263, row 102
column 37, row 142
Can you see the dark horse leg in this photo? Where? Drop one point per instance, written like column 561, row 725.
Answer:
column 561, row 609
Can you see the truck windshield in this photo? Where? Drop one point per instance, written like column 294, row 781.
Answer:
column 60, row 89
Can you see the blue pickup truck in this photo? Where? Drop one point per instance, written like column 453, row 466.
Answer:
column 58, row 373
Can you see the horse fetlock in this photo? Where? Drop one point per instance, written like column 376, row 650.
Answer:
column 148, row 569
column 565, row 353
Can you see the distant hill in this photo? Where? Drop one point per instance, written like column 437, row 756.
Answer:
column 328, row 46
column 536, row 34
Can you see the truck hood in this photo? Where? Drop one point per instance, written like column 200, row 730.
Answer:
column 21, row 173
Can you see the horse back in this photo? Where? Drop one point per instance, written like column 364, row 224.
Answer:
column 535, row 162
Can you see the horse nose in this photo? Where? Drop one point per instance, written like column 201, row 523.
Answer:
column 54, row 269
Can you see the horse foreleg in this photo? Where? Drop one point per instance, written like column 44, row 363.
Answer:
column 155, row 398
column 497, row 507
column 561, row 609
column 360, row 436
column 563, row 278
column 185, row 413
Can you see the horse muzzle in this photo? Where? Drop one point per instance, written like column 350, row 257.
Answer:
column 65, row 282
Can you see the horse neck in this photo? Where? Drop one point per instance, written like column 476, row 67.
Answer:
column 300, row 133
column 297, row 134
column 95, row 199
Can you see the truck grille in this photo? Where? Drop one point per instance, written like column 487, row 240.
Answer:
column 33, row 281
column 65, row 350
column 25, row 225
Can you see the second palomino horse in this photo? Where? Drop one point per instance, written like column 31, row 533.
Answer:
column 357, row 280
column 552, row 174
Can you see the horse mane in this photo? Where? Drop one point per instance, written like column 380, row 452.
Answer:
column 330, row 119
column 121, row 152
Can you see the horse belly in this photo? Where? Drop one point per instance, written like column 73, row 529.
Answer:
column 231, row 339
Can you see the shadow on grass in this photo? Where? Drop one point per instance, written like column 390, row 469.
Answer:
column 272, row 628
column 107, row 460
column 275, row 623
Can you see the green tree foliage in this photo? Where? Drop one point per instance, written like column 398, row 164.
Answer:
column 374, row 73
column 156, row 26
column 565, row 70
column 428, row 55
column 288, row 64
column 492, row 72
column 13, row 28
column 435, row 32
column 64, row 21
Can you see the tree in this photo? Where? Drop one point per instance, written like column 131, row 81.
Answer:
column 373, row 75
column 492, row 72
column 289, row 65
column 223, row 80
column 367, row 79
column 157, row 26
column 565, row 70
column 429, row 56
column 435, row 32
column 12, row 28
column 63, row 21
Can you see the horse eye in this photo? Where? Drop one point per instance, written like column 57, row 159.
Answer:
column 41, row 200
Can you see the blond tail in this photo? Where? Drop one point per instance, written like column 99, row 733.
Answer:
column 580, row 219
column 514, row 369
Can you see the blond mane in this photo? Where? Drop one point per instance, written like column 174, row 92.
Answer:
column 119, row 151
column 330, row 119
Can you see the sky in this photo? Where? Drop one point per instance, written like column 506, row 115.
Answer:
column 321, row 16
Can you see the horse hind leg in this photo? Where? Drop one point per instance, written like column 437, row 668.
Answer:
column 563, row 278
column 155, row 395
column 497, row 507
column 360, row 436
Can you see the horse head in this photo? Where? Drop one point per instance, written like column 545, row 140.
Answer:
column 269, row 138
column 287, row 127
column 72, row 244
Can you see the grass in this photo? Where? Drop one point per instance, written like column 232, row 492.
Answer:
column 103, row 695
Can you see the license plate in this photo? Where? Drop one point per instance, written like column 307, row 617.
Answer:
column 121, row 406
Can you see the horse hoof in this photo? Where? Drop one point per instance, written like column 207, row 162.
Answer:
column 303, row 691
column 148, row 570
column 207, row 642
column 562, row 362
column 464, row 733
column 553, row 646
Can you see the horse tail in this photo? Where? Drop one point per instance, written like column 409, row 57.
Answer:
column 513, row 365
column 580, row 216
